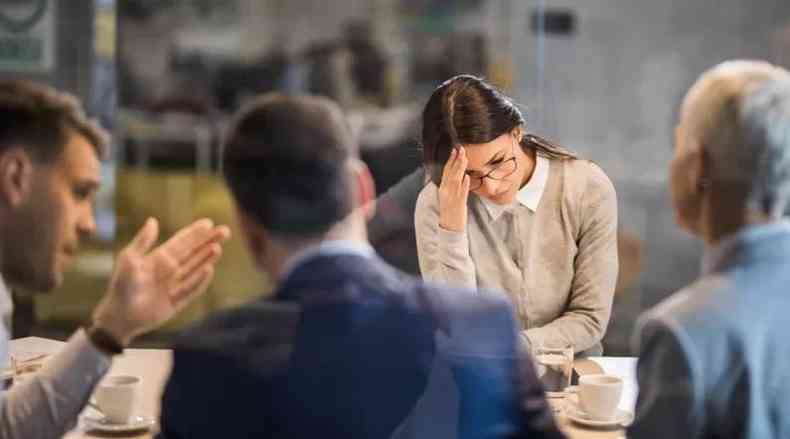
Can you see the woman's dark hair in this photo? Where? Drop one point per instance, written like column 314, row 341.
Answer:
column 467, row 110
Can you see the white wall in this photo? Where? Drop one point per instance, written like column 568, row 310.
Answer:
column 611, row 92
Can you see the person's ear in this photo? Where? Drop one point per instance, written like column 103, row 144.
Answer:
column 255, row 237
column 699, row 169
column 697, row 163
column 704, row 181
column 518, row 133
column 365, row 189
column 16, row 176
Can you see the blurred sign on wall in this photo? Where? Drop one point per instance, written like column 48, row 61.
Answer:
column 27, row 35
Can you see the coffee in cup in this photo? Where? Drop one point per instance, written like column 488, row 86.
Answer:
column 116, row 396
column 599, row 395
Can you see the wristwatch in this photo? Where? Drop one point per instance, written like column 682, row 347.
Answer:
column 103, row 340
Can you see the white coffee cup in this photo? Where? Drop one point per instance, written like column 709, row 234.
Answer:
column 599, row 395
column 116, row 396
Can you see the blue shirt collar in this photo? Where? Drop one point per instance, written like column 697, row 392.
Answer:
column 715, row 255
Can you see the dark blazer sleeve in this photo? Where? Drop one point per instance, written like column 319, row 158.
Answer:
column 537, row 419
column 499, row 392
column 208, row 393
column 174, row 418
column 188, row 400
column 668, row 404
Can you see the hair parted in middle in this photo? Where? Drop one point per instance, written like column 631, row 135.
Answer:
column 466, row 110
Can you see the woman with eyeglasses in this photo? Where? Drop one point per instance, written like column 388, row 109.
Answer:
column 511, row 211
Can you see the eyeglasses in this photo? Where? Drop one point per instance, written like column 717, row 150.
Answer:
column 501, row 171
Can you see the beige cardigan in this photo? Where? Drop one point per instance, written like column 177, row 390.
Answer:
column 557, row 264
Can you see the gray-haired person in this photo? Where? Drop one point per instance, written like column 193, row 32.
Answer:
column 714, row 356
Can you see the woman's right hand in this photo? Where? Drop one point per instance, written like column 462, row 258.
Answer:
column 454, row 192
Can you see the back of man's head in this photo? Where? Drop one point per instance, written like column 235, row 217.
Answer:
column 739, row 112
column 286, row 161
column 765, row 121
column 40, row 119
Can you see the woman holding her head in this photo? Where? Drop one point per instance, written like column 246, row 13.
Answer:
column 508, row 210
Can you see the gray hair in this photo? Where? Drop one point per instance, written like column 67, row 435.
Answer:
column 739, row 112
column 765, row 122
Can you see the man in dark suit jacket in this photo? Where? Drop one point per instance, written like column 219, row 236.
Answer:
column 348, row 345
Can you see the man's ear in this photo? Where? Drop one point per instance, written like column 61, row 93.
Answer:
column 16, row 176
column 255, row 237
column 365, row 189
column 703, row 171
column 697, row 162
column 698, row 169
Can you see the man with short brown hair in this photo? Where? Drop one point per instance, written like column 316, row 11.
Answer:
column 49, row 173
column 347, row 346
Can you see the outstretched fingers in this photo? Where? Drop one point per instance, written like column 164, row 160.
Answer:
column 146, row 237
column 209, row 254
column 190, row 239
column 192, row 286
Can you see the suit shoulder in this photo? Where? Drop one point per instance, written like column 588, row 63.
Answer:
column 698, row 297
column 696, row 313
column 240, row 325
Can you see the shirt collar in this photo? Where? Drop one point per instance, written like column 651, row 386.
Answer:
column 326, row 248
column 6, row 305
column 714, row 255
column 529, row 195
column 532, row 192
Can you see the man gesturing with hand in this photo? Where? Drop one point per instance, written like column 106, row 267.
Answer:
column 150, row 286
column 49, row 173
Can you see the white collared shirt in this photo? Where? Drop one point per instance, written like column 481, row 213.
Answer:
column 6, row 305
column 529, row 195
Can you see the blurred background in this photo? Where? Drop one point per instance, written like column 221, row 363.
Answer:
column 602, row 77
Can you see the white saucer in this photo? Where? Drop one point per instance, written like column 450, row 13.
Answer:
column 137, row 423
column 575, row 413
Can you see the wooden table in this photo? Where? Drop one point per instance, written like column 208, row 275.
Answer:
column 153, row 366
